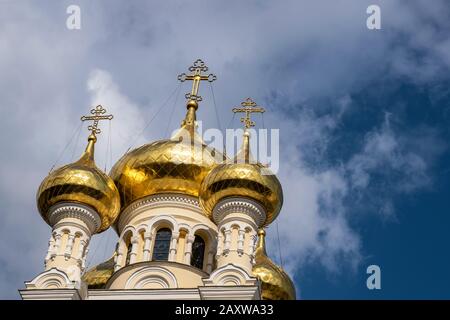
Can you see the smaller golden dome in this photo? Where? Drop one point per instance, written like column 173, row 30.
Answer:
column 84, row 183
column 275, row 283
column 242, row 178
column 98, row 276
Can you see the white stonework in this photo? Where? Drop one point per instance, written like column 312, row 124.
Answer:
column 228, row 254
column 139, row 223
column 51, row 279
column 73, row 224
column 230, row 275
column 238, row 220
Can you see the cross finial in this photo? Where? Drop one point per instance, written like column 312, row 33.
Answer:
column 98, row 113
column 248, row 106
column 196, row 76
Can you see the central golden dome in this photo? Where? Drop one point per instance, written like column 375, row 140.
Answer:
column 178, row 164
column 175, row 165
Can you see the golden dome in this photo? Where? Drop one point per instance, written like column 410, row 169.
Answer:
column 275, row 283
column 84, row 183
column 242, row 178
column 178, row 164
column 98, row 276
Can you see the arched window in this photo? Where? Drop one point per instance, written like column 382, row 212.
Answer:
column 198, row 252
column 162, row 245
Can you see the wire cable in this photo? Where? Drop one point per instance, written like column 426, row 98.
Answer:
column 166, row 132
column 215, row 106
column 276, row 222
column 151, row 119
column 77, row 128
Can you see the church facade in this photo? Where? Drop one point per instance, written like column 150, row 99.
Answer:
column 190, row 220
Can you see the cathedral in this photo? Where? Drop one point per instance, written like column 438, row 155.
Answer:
column 190, row 220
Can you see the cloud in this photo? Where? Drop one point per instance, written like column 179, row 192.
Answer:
column 128, row 120
column 303, row 61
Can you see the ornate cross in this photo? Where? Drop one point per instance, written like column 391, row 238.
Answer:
column 248, row 106
column 196, row 76
column 98, row 114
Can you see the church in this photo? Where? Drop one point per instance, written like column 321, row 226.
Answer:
column 190, row 220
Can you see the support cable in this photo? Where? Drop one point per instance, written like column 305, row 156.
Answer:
column 276, row 221
column 151, row 119
column 166, row 132
column 77, row 129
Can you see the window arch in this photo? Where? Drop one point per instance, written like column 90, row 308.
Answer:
column 162, row 245
column 198, row 252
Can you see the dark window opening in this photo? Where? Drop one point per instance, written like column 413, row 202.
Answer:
column 129, row 247
column 162, row 245
column 198, row 252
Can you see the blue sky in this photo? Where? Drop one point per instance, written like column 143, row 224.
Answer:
column 363, row 116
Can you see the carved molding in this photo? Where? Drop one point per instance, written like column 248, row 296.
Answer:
column 239, row 205
column 51, row 279
column 153, row 276
column 230, row 275
column 78, row 211
column 163, row 200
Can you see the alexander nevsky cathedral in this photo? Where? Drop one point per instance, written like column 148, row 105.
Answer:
column 190, row 220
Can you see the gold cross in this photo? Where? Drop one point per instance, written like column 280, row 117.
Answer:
column 248, row 106
column 196, row 76
column 98, row 114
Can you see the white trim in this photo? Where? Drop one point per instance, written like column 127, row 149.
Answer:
column 152, row 274
column 239, row 205
column 162, row 200
column 51, row 279
column 230, row 275
column 84, row 213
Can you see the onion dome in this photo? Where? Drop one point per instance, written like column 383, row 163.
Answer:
column 81, row 182
column 177, row 165
column 242, row 178
column 275, row 283
column 98, row 276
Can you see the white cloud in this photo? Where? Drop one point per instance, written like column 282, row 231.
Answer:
column 281, row 55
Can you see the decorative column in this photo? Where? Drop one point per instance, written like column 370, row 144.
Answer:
column 75, row 219
column 119, row 259
column 83, row 259
column 58, row 237
column 173, row 246
column 247, row 215
column 188, row 249
column 240, row 246
column 51, row 245
column 227, row 244
column 81, row 249
column 147, row 243
column 69, row 246
column 134, row 247
column 219, row 244
column 210, row 261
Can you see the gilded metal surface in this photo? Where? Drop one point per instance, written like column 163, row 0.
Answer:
column 178, row 164
column 196, row 76
column 275, row 283
column 98, row 276
column 248, row 107
column 243, row 178
column 174, row 165
column 98, row 114
column 81, row 182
